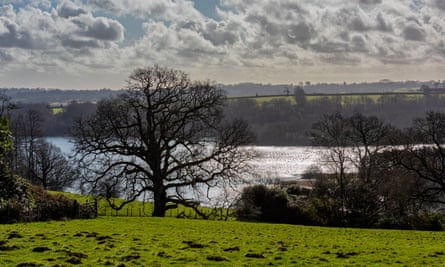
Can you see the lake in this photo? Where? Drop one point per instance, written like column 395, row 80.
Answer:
column 282, row 162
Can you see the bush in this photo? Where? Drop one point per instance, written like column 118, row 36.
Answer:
column 11, row 211
column 56, row 207
column 427, row 222
column 44, row 207
column 15, row 196
column 259, row 203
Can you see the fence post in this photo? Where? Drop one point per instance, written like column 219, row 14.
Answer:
column 96, row 212
column 76, row 210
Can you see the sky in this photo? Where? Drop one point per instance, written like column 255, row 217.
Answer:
column 93, row 44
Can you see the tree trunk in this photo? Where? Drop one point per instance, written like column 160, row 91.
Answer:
column 160, row 202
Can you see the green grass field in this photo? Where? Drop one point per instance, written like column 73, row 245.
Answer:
column 134, row 241
column 57, row 110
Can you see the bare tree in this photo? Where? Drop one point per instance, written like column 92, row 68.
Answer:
column 354, row 145
column 27, row 130
column 35, row 159
column 52, row 169
column 424, row 154
column 165, row 135
column 333, row 132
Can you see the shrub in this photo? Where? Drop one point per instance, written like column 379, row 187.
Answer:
column 44, row 206
column 15, row 196
column 260, row 203
column 55, row 207
column 427, row 222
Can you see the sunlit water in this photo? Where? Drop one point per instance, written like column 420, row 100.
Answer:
column 282, row 162
column 271, row 162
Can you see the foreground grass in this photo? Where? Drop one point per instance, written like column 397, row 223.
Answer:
column 133, row 241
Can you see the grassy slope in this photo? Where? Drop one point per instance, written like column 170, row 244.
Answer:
column 168, row 242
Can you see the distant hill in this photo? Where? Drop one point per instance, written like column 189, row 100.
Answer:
column 58, row 96
column 252, row 89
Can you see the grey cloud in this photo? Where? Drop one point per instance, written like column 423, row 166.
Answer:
column 5, row 58
column 358, row 25
column 439, row 50
column 68, row 9
column 299, row 33
column 358, row 44
column 218, row 35
column 104, row 4
column 291, row 33
column 15, row 37
column 414, row 33
column 370, row 2
column 440, row 4
column 389, row 55
column 340, row 59
column 100, row 28
column 382, row 24
column 79, row 44
column 265, row 24
column 326, row 46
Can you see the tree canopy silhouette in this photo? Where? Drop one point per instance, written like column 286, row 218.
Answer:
column 165, row 135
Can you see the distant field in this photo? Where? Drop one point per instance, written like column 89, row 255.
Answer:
column 57, row 110
column 124, row 241
column 346, row 98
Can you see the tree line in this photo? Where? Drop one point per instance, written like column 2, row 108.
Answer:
column 284, row 122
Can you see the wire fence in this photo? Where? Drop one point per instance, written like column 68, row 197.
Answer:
column 210, row 213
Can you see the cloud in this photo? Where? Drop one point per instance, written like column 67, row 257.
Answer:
column 167, row 10
column 99, row 28
column 413, row 32
column 440, row 4
column 68, row 9
column 382, row 24
column 370, row 2
column 11, row 35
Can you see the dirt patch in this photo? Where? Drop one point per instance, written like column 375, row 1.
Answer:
column 162, row 254
column 231, row 249
column 14, row 235
column 92, row 234
column 8, row 248
column 74, row 260
column 217, row 258
column 77, row 255
column 255, row 255
column 341, row 255
column 27, row 264
column 131, row 257
column 40, row 249
column 193, row 244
